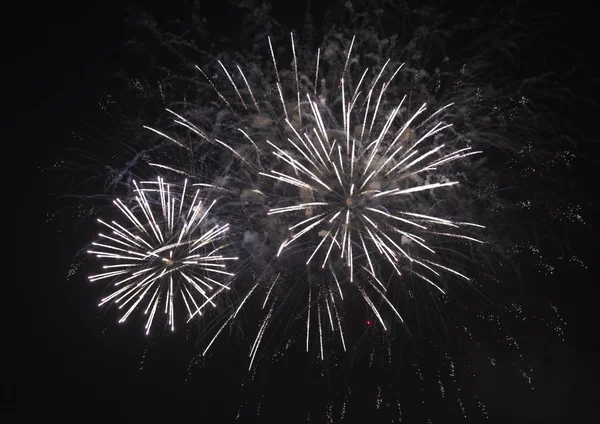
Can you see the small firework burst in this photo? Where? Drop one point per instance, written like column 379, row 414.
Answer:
column 167, row 251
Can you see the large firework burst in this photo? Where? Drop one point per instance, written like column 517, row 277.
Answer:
column 359, row 179
column 354, row 186
column 165, row 253
column 257, row 104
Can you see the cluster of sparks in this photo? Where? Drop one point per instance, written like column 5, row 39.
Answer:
column 169, row 255
column 360, row 188
column 358, row 184
column 347, row 175
column 353, row 190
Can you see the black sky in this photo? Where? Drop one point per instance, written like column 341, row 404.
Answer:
column 59, row 59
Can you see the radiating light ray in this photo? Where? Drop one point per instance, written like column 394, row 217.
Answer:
column 165, row 136
column 231, row 317
column 259, row 337
column 320, row 331
column 339, row 321
column 308, row 318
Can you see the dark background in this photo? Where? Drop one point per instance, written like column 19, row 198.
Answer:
column 59, row 58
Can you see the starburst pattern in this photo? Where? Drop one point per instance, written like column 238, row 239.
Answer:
column 167, row 251
column 315, row 278
column 352, row 185
column 361, row 183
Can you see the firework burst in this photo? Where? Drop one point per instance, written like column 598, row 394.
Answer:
column 385, row 162
column 166, row 252
column 357, row 177
column 354, row 187
column 362, row 182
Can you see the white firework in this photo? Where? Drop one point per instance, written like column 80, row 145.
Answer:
column 165, row 252
column 355, row 185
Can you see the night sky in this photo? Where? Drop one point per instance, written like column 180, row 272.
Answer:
column 68, row 361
